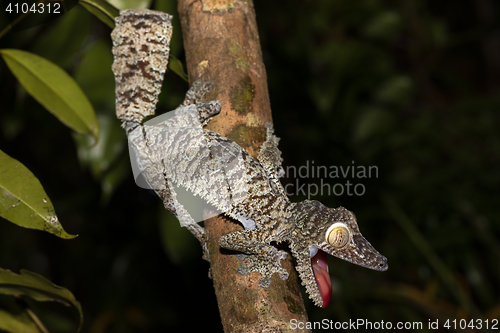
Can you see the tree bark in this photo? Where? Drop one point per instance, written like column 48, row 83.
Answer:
column 222, row 44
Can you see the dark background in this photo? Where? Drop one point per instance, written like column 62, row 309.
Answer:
column 411, row 87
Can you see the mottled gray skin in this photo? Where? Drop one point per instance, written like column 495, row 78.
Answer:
column 179, row 151
column 141, row 42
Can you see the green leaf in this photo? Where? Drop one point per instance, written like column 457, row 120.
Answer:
column 103, row 155
column 371, row 120
column 71, row 30
column 23, row 200
column 131, row 4
column 54, row 89
column 108, row 160
column 36, row 287
column 176, row 66
column 114, row 178
column 94, row 76
column 102, row 10
column 17, row 323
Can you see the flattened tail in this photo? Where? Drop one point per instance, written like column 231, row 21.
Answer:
column 141, row 40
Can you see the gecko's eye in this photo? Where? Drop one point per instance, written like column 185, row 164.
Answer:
column 338, row 235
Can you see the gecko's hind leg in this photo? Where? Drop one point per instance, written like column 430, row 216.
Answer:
column 261, row 257
column 169, row 198
column 198, row 231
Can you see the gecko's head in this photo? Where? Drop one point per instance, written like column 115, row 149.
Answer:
column 335, row 232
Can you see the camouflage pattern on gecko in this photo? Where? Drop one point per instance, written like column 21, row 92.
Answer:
column 179, row 152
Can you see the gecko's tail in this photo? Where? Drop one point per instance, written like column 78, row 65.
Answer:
column 140, row 47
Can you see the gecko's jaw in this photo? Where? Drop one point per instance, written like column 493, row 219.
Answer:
column 320, row 269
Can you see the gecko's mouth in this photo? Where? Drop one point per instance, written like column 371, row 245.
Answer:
column 320, row 269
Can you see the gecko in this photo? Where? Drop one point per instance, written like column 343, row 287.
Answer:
column 178, row 152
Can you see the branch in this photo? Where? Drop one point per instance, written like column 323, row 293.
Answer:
column 222, row 45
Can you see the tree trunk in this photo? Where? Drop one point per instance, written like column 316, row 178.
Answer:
column 222, row 45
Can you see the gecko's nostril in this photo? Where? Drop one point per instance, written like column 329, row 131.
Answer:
column 383, row 264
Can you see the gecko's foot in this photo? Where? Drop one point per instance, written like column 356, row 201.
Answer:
column 265, row 265
column 206, row 254
column 203, row 238
column 208, row 110
column 198, row 231
column 197, row 92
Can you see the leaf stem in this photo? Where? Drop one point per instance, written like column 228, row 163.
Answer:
column 37, row 321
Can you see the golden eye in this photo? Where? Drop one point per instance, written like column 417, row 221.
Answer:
column 338, row 235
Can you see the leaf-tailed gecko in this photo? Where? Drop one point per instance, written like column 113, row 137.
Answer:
column 180, row 152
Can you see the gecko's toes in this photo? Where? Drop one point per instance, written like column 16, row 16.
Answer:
column 265, row 265
column 264, row 282
column 281, row 255
column 283, row 274
column 243, row 269
column 208, row 87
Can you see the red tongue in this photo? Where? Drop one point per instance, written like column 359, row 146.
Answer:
column 320, row 268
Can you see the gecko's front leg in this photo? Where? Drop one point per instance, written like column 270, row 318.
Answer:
column 261, row 257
